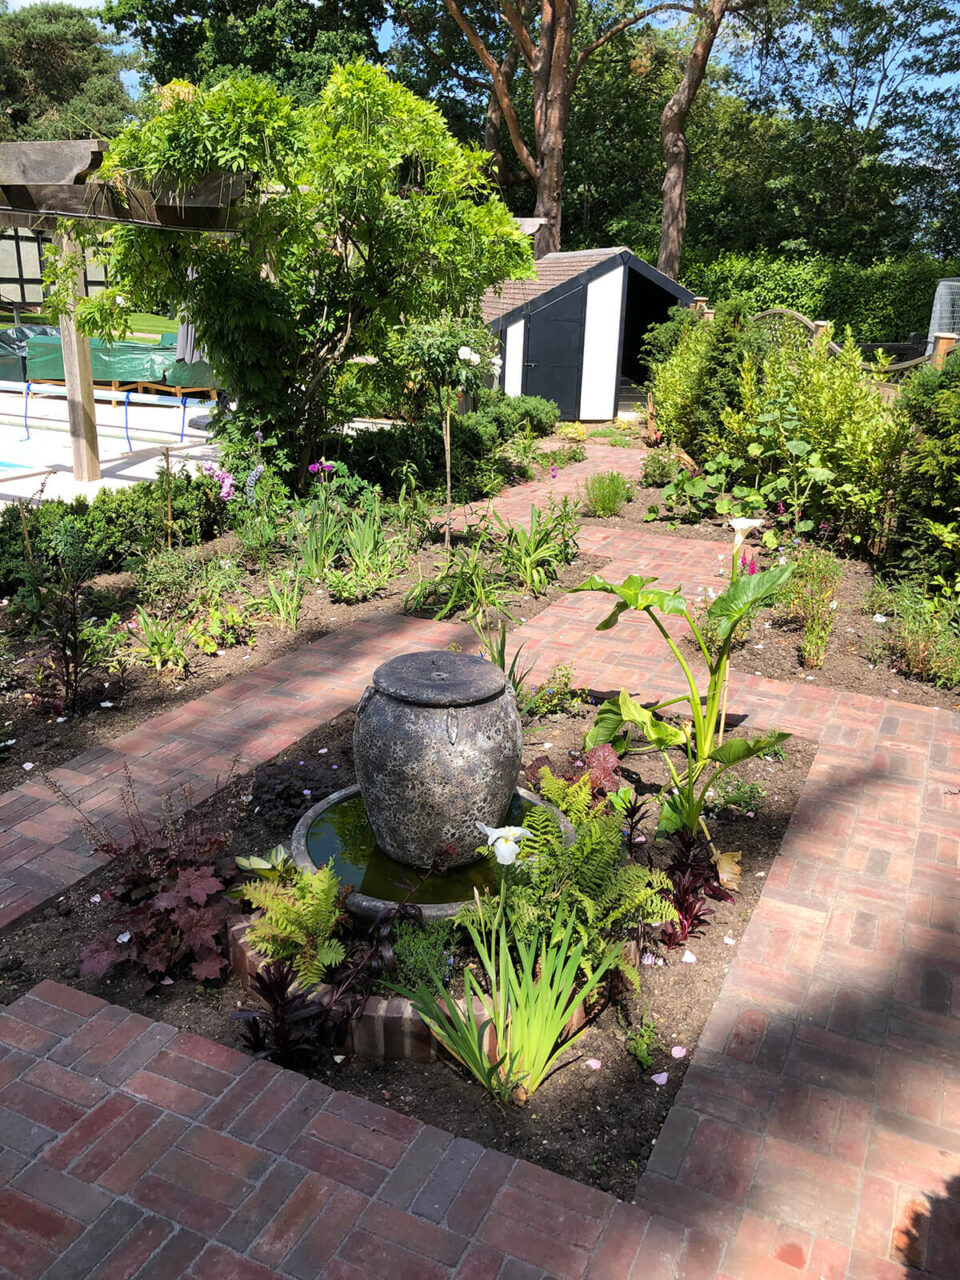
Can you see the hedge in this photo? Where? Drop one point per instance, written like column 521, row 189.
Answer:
column 884, row 302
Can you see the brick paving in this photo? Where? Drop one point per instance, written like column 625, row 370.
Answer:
column 817, row 1131
column 191, row 750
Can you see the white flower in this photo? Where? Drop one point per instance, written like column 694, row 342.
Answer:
column 781, row 559
column 121, row 300
column 741, row 526
column 123, row 937
column 464, row 353
column 474, row 358
column 505, row 841
column 833, row 604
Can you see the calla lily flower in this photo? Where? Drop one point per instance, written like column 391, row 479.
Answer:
column 505, row 841
column 741, row 527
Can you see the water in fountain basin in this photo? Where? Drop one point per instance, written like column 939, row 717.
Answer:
column 343, row 834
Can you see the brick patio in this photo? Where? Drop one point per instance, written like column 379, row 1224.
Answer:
column 817, row 1130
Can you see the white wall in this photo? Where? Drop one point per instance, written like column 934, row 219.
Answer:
column 601, row 348
column 513, row 359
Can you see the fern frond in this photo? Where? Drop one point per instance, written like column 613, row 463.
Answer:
column 573, row 799
column 297, row 921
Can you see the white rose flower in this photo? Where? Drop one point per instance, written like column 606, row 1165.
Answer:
column 464, row 353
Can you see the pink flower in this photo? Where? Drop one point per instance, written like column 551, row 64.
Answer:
column 554, row 472
column 313, row 468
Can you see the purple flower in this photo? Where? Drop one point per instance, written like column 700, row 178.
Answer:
column 554, row 472
column 327, row 466
column 251, row 485
column 313, row 468
column 258, row 436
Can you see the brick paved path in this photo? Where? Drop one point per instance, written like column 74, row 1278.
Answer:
column 817, row 1131
column 192, row 748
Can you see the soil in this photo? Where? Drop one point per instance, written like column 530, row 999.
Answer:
column 595, row 1123
column 45, row 737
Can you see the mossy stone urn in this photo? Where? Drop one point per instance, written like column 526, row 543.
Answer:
column 437, row 746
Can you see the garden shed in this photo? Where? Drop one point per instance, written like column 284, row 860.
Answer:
column 573, row 334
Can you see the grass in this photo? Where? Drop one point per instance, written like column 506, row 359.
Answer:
column 142, row 325
column 607, row 493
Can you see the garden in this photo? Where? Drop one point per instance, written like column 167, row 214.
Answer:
column 490, row 894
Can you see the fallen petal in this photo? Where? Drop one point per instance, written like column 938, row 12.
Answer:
column 731, row 942
column 688, row 958
column 594, row 1064
column 678, row 1051
column 660, row 1078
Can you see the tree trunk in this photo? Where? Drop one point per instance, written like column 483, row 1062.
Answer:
column 549, row 195
column 673, row 123
column 676, row 154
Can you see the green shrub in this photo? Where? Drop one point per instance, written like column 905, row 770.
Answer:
column 695, row 371
column 607, row 493
column 117, row 527
column 926, row 536
column 298, row 921
column 660, row 467
column 883, row 302
column 423, row 950
column 816, row 430
column 924, row 636
column 810, row 600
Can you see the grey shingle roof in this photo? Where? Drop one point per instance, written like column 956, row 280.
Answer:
column 552, row 269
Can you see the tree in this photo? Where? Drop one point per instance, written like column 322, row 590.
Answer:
column 551, row 46
column 876, row 82
column 294, row 43
column 59, row 76
column 361, row 213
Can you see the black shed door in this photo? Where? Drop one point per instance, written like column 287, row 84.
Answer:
column 555, row 352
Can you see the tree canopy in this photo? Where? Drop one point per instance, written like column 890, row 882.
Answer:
column 361, row 213
column 59, row 76
column 294, row 43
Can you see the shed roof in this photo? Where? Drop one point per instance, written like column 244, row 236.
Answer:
column 552, row 269
column 556, row 269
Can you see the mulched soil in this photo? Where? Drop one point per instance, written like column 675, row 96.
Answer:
column 46, row 739
column 596, row 1125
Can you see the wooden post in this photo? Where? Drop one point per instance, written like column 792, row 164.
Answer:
column 942, row 342
column 78, row 375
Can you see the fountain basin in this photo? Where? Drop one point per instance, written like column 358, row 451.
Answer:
column 338, row 829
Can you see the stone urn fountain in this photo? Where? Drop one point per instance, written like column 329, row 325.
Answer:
column 437, row 745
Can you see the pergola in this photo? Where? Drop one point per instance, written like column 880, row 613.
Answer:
column 43, row 182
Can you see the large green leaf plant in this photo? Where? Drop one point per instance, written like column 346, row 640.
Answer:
column 699, row 738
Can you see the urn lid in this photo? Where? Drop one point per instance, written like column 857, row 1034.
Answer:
column 439, row 678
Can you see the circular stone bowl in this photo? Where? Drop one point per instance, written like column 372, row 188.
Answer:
column 365, row 907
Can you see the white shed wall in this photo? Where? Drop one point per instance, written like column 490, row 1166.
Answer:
column 601, row 348
column 513, row 359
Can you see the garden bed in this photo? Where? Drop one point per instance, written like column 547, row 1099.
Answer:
column 596, row 1124
column 45, row 738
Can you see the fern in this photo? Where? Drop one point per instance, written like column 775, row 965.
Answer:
column 298, row 921
column 573, row 799
column 605, row 897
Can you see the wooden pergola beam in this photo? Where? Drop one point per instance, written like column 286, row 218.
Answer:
column 42, row 182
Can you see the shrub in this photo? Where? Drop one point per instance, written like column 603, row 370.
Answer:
column 117, row 527
column 811, row 600
column 924, row 637
column 885, row 301
column 816, row 428
column 607, row 493
column 926, row 535
column 695, row 373
column 660, row 467
column 423, row 950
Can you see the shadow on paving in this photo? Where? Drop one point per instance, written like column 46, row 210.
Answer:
column 817, row 1131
